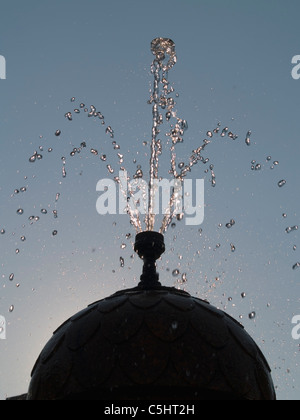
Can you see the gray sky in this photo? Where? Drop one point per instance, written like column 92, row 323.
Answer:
column 234, row 67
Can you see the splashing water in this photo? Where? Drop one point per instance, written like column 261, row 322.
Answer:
column 164, row 115
column 168, row 129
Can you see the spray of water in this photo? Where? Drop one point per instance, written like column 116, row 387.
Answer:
column 168, row 128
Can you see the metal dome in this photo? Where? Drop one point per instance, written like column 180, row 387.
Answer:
column 141, row 344
column 154, row 343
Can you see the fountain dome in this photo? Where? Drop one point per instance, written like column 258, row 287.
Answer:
column 151, row 343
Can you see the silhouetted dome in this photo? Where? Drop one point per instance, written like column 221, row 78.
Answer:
column 151, row 344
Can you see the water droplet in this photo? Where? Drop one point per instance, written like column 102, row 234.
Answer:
column 44, row 211
column 180, row 216
column 252, row 315
column 291, row 229
column 110, row 131
column 11, row 308
column 258, row 167
column 123, row 246
column 2, row 231
column 20, row 211
column 68, row 115
column 284, row 215
column 32, row 159
column 175, row 272
column 110, row 169
column 248, row 140
column 281, row 183
column 230, row 224
column 17, row 251
column 54, row 233
column 296, row 266
column 23, row 239
column 233, row 248
column 103, row 157
column 209, row 134
column 92, row 112
column 224, row 131
column 139, row 174
column 184, row 278
column 243, row 295
column 57, row 133
column 294, row 247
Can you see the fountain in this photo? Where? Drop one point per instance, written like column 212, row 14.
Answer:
column 153, row 342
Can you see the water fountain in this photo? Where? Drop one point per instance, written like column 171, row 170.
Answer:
column 153, row 342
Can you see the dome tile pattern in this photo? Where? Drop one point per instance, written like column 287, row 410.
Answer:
column 160, row 339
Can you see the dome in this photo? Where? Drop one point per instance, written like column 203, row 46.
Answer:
column 145, row 344
column 151, row 343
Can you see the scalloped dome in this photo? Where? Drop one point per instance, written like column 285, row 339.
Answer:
column 151, row 344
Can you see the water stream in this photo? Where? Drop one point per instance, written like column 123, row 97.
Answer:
column 168, row 128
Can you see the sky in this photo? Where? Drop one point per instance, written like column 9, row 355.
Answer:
column 234, row 67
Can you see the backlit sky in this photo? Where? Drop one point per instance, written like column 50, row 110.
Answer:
column 234, row 67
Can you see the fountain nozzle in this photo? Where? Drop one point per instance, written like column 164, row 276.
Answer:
column 149, row 246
